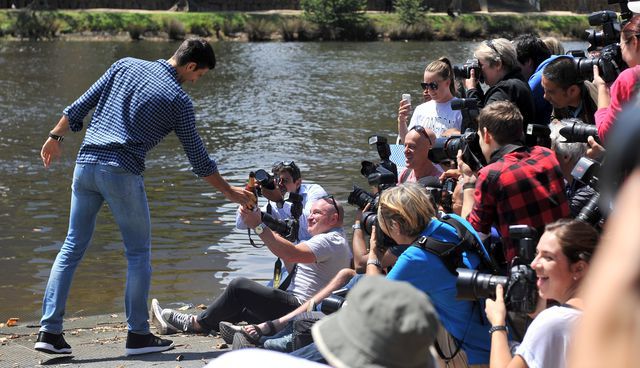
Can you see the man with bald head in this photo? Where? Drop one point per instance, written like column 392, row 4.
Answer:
column 419, row 167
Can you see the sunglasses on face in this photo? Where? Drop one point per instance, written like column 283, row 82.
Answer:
column 420, row 129
column 429, row 85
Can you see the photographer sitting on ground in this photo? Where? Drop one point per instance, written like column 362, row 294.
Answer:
column 317, row 261
column 568, row 155
column 287, row 178
column 435, row 113
column 520, row 185
column 568, row 93
column 562, row 261
column 611, row 101
column 501, row 72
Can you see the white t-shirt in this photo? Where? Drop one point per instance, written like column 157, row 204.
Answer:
column 436, row 116
column 309, row 192
column 332, row 252
column 547, row 340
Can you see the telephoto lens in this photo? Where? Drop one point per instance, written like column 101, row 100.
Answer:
column 472, row 285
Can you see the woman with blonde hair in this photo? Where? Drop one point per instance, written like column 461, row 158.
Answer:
column 435, row 113
column 406, row 215
column 499, row 69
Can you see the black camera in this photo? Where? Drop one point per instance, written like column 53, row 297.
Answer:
column 574, row 130
column 610, row 64
column 334, row 301
column 469, row 110
column 464, row 71
column 586, row 171
column 447, row 148
column 440, row 194
column 287, row 228
column 521, row 293
column 360, row 197
column 605, row 41
column 265, row 179
column 384, row 151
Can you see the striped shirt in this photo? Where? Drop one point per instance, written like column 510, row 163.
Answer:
column 137, row 103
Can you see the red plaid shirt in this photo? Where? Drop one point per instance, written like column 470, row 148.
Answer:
column 521, row 187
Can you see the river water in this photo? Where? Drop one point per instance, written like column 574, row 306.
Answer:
column 314, row 103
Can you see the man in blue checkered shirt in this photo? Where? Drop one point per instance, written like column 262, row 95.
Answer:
column 137, row 103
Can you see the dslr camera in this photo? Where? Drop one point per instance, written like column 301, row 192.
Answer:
column 609, row 61
column 586, row 171
column 574, row 130
column 464, row 71
column 447, row 148
column 521, row 293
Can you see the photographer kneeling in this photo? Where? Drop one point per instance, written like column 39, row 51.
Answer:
column 562, row 261
column 406, row 215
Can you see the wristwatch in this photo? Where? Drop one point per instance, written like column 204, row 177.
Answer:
column 258, row 229
column 374, row 262
column 58, row 138
column 356, row 226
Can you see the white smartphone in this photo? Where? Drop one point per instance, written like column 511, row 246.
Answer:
column 406, row 97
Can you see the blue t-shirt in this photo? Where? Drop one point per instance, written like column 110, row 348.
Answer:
column 543, row 107
column 463, row 319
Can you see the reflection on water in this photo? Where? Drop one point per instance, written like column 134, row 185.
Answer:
column 315, row 103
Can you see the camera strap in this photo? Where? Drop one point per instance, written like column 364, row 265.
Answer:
column 277, row 273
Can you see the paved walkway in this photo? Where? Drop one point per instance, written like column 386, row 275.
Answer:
column 99, row 342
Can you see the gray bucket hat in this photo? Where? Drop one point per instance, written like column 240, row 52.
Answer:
column 383, row 323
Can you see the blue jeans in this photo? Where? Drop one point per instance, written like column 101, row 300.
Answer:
column 125, row 194
column 282, row 341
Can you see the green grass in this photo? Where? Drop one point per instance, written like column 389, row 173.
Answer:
column 223, row 24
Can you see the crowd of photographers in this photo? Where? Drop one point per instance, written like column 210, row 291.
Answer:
column 495, row 217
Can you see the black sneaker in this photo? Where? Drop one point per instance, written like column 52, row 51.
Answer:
column 143, row 344
column 52, row 343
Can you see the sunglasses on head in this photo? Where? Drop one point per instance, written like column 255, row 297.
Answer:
column 333, row 202
column 430, row 85
column 420, row 129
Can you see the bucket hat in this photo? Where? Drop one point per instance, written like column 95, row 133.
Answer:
column 382, row 323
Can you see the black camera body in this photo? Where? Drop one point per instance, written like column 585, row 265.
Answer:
column 447, row 148
column 334, row 301
column 287, row 228
column 469, row 110
column 586, row 171
column 521, row 293
column 265, row 179
column 609, row 61
column 574, row 130
column 464, row 71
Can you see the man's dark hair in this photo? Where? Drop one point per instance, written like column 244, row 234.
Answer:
column 531, row 47
column 563, row 72
column 195, row 50
column 503, row 121
column 289, row 167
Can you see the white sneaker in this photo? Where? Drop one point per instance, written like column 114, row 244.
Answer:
column 157, row 320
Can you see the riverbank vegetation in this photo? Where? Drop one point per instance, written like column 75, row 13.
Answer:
column 408, row 23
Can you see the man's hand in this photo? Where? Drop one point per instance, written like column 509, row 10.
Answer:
column 466, row 174
column 50, row 151
column 595, row 150
column 251, row 218
column 240, row 196
column 274, row 195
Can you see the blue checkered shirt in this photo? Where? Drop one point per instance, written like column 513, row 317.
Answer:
column 137, row 103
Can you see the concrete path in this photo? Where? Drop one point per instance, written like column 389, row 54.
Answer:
column 99, row 342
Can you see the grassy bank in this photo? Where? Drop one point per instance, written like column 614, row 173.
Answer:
column 264, row 27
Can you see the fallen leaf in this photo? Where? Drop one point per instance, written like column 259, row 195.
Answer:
column 114, row 316
column 179, row 357
column 222, row 345
column 201, row 306
column 12, row 322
